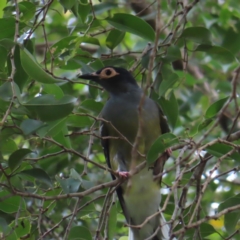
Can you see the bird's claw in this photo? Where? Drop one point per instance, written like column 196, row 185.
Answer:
column 169, row 151
column 123, row 174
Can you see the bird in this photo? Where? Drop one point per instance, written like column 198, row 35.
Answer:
column 139, row 195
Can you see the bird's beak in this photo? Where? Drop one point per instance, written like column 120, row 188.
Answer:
column 90, row 76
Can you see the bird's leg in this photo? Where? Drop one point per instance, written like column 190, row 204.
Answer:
column 122, row 168
column 123, row 174
column 169, row 151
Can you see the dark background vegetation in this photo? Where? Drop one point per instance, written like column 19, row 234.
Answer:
column 54, row 183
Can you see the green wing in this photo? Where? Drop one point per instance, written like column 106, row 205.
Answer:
column 105, row 145
column 163, row 121
column 160, row 162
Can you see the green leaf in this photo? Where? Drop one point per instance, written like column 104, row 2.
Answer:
column 231, row 38
column 83, row 9
column 71, row 64
column 52, row 128
column 27, row 10
column 205, row 123
column 16, row 158
column 79, row 233
column 7, row 43
column 2, row 6
column 67, row 4
column 47, row 108
column 173, row 54
column 6, row 91
column 21, row 226
column 3, row 226
column 118, row 62
column 220, row 149
column 38, row 174
column 230, row 219
column 6, row 133
column 20, row 76
column 92, row 105
column 169, row 79
column 20, row 111
column 114, row 38
column 3, row 59
column 79, row 121
column 96, row 65
column 34, row 70
column 206, row 230
column 54, row 90
column 189, row 234
column 188, row 78
column 214, row 109
column 62, row 45
column 3, row 105
column 87, row 184
column 51, row 204
column 87, row 209
column 104, row 7
column 8, row 146
column 230, row 202
column 69, row 185
column 84, row 183
column 9, row 203
column 86, row 68
column 197, row 34
column 29, row 126
column 112, row 221
column 75, row 62
column 216, row 52
column 89, row 40
column 75, row 175
column 135, row 25
column 160, row 145
column 7, row 27
column 145, row 59
column 170, row 108
column 62, row 138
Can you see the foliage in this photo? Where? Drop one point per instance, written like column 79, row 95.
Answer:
column 54, row 180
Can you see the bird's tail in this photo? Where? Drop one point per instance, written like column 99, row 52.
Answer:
column 163, row 233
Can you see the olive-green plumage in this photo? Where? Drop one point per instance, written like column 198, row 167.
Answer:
column 140, row 195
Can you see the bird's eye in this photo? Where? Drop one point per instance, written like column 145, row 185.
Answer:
column 108, row 72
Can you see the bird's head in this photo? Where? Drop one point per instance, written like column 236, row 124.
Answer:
column 114, row 79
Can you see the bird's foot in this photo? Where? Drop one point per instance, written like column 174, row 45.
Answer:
column 169, row 151
column 123, row 175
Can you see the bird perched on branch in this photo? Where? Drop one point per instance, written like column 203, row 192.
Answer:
column 127, row 111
